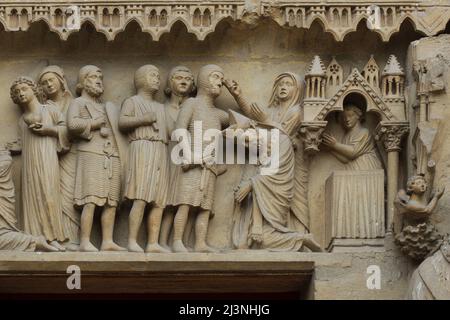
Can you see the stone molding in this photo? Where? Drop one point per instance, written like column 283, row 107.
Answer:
column 201, row 17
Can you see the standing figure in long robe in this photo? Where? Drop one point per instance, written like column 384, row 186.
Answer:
column 147, row 177
column 180, row 86
column 11, row 238
column 196, row 183
column 263, row 220
column 43, row 135
column 57, row 93
column 101, row 157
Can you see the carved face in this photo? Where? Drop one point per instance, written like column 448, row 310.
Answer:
column 215, row 80
column 50, row 84
column 24, row 93
column 153, row 80
column 418, row 186
column 93, row 83
column 285, row 89
column 349, row 119
column 182, row 83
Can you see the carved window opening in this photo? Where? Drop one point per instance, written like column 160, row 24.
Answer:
column 24, row 19
column 344, row 18
column 105, row 20
column 163, row 18
column 116, row 18
column 299, row 18
column 206, row 21
column 390, row 17
column 14, row 19
column 59, row 18
column 291, row 18
column 197, row 18
column 153, row 18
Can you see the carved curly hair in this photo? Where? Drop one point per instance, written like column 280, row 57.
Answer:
column 26, row 80
column 413, row 179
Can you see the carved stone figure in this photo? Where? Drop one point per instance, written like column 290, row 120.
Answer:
column 431, row 280
column 11, row 238
column 180, row 86
column 418, row 237
column 357, row 148
column 265, row 220
column 101, row 157
column 355, row 196
column 42, row 133
column 147, row 178
column 196, row 183
column 57, row 93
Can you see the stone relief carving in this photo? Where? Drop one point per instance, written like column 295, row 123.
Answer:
column 201, row 17
column 196, row 182
column 86, row 138
column 101, row 157
column 43, row 135
column 259, row 221
column 147, row 177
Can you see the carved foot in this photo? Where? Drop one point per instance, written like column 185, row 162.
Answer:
column 111, row 246
column 134, row 247
column 87, row 247
column 166, row 246
column 42, row 245
column 178, row 246
column 311, row 244
column 156, row 248
column 71, row 247
column 205, row 248
column 56, row 244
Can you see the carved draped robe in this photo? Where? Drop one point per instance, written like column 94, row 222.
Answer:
column 40, row 177
column 147, row 176
column 266, row 215
column 10, row 237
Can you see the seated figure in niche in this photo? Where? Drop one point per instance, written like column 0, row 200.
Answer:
column 357, row 148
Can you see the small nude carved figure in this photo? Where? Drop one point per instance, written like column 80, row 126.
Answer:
column 147, row 177
column 413, row 202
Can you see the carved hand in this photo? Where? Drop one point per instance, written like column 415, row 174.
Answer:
column 44, row 130
column 242, row 190
column 14, row 147
column 98, row 123
column 149, row 118
column 233, row 87
column 328, row 140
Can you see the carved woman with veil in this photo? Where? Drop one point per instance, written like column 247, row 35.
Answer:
column 263, row 216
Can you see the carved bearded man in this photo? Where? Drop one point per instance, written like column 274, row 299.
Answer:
column 180, row 86
column 196, row 184
column 101, row 154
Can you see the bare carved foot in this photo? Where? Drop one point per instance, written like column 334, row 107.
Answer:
column 42, row 245
column 87, row 247
column 178, row 246
column 71, row 246
column 156, row 248
column 204, row 248
column 56, row 244
column 111, row 246
column 311, row 244
column 134, row 247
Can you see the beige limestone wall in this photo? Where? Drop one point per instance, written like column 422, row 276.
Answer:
column 251, row 55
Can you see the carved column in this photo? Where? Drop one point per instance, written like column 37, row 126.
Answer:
column 391, row 135
column 311, row 134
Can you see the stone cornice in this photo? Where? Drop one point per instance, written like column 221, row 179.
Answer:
column 201, row 17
